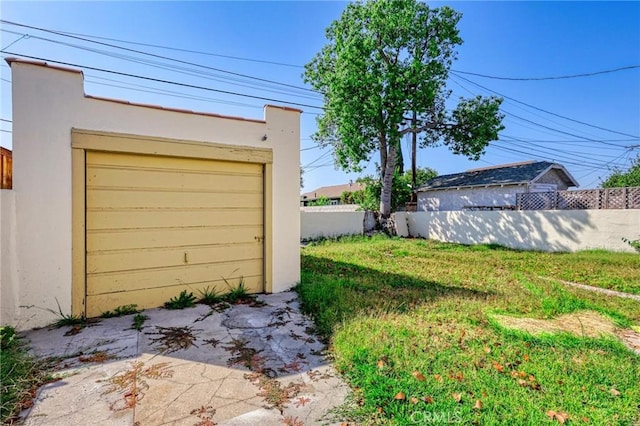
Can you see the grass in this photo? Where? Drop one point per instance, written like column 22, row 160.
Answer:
column 411, row 329
column 20, row 376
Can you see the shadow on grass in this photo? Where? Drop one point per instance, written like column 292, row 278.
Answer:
column 333, row 291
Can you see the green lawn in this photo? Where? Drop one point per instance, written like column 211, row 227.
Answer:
column 411, row 329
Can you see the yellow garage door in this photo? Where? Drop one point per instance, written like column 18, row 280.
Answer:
column 158, row 225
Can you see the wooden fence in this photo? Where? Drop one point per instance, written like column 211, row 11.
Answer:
column 605, row 198
column 6, row 169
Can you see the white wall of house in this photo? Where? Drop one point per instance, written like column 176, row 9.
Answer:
column 546, row 230
column 47, row 103
column 319, row 224
column 457, row 199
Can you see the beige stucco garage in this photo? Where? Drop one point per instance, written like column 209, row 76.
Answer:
column 115, row 203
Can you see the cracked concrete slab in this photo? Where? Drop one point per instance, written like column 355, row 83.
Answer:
column 249, row 364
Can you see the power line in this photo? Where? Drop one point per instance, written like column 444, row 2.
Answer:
column 155, row 55
column 173, row 94
column 560, row 77
column 192, row 86
column 5, row 131
column 575, row 141
column 5, row 120
column 182, row 70
column 176, row 49
column 558, row 131
column 544, row 110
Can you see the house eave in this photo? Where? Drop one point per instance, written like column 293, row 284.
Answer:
column 491, row 185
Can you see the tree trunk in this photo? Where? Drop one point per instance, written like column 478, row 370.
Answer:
column 387, row 182
column 414, row 138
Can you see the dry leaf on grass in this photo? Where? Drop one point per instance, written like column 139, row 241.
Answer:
column 560, row 416
column 457, row 396
column 419, row 376
column 438, row 377
column 477, row 405
column 614, row 392
column 400, row 396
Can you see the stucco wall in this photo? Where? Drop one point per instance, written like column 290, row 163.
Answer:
column 47, row 104
column 8, row 266
column 547, row 230
column 457, row 199
column 330, row 224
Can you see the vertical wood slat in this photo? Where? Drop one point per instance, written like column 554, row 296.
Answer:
column 6, row 169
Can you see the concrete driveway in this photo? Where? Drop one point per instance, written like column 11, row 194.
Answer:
column 250, row 364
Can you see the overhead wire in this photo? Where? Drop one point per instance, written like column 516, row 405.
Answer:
column 176, row 49
column 176, row 68
column 560, row 77
column 154, row 55
column 159, row 80
column 541, row 109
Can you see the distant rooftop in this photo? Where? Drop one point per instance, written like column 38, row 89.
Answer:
column 334, row 191
column 504, row 174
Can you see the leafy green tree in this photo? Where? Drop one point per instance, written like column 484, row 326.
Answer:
column 619, row 179
column 320, row 201
column 369, row 197
column 384, row 61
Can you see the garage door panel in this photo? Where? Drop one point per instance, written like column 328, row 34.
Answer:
column 131, row 198
column 153, row 297
column 152, row 162
column 169, row 180
column 140, row 279
column 120, row 260
column 156, row 218
column 160, row 238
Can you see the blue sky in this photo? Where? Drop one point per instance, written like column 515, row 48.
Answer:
column 509, row 39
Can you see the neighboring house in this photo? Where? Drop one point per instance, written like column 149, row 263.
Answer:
column 333, row 193
column 492, row 188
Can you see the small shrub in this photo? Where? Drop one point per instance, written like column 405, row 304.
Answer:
column 183, row 300
column 121, row 311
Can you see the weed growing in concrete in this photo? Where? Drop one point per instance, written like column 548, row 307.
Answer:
column 209, row 296
column 236, row 293
column 138, row 321
column 121, row 311
column 67, row 319
column 184, row 300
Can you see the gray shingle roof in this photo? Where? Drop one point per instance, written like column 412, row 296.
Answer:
column 509, row 174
